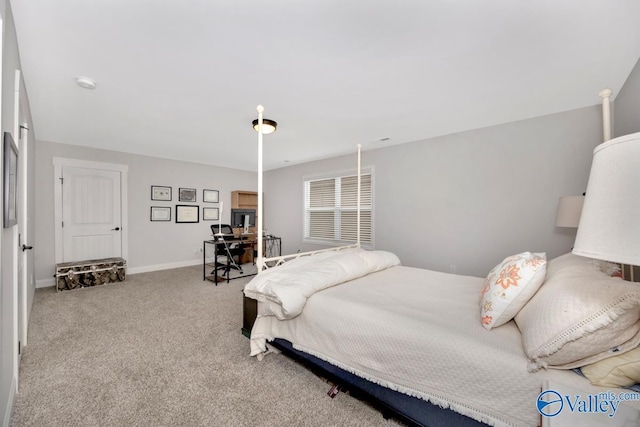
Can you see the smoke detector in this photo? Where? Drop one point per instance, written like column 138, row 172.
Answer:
column 85, row 82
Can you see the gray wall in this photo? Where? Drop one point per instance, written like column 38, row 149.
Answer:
column 466, row 200
column 627, row 105
column 152, row 245
column 9, row 236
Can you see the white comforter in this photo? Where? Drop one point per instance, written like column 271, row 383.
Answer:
column 288, row 286
column 418, row 332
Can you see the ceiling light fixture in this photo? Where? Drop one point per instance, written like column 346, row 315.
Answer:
column 268, row 126
column 85, row 82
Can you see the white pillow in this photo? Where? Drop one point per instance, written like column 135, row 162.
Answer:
column 578, row 315
column 509, row 286
column 379, row 260
column 578, row 263
column 569, row 261
column 622, row 370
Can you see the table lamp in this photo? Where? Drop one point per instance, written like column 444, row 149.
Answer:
column 610, row 222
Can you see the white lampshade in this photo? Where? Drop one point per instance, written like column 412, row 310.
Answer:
column 569, row 210
column 610, row 222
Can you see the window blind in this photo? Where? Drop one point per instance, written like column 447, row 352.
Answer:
column 331, row 209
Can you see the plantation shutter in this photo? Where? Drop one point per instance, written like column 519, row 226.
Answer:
column 348, row 211
column 321, row 203
column 331, row 211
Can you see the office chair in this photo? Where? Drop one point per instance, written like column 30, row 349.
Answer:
column 229, row 250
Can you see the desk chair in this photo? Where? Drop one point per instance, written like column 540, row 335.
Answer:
column 228, row 250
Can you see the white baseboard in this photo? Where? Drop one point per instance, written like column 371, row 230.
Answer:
column 6, row 422
column 45, row 283
column 168, row 266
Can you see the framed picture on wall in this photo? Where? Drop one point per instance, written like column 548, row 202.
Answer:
column 160, row 213
column 210, row 196
column 159, row 192
column 187, row 195
column 187, row 213
column 210, row 214
column 10, row 182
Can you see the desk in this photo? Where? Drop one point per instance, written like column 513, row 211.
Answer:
column 271, row 247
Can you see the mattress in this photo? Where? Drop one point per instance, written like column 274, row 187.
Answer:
column 418, row 332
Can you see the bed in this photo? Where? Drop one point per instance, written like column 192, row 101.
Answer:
column 415, row 331
column 443, row 349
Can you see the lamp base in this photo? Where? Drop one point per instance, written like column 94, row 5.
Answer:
column 630, row 273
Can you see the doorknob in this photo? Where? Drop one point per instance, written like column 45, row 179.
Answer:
column 25, row 248
column 115, row 229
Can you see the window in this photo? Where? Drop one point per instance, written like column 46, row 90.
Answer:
column 330, row 213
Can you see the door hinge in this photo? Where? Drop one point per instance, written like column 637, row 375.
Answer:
column 61, row 180
column 62, row 224
column 19, row 345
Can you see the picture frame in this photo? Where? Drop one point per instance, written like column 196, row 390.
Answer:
column 187, row 195
column 210, row 214
column 210, row 196
column 10, row 182
column 160, row 213
column 187, row 214
column 159, row 192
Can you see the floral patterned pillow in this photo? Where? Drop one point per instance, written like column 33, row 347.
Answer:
column 509, row 286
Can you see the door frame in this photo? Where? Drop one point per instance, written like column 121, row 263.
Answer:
column 25, row 238
column 24, row 266
column 58, row 164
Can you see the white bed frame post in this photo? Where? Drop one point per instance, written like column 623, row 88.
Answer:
column 605, row 94
column 260, row 261
column 358, row 201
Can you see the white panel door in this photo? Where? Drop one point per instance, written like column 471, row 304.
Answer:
column 24, row 256
column 91, row 214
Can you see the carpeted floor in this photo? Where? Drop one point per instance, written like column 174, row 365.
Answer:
column 163, row 349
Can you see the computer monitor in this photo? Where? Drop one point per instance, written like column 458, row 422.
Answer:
column 238, row 217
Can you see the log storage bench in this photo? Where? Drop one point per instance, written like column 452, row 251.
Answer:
column 82, row 274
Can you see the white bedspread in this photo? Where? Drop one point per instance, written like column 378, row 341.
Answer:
column 418, row 332
column 288, row 286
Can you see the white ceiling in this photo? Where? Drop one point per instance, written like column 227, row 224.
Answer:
column 182, row 79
